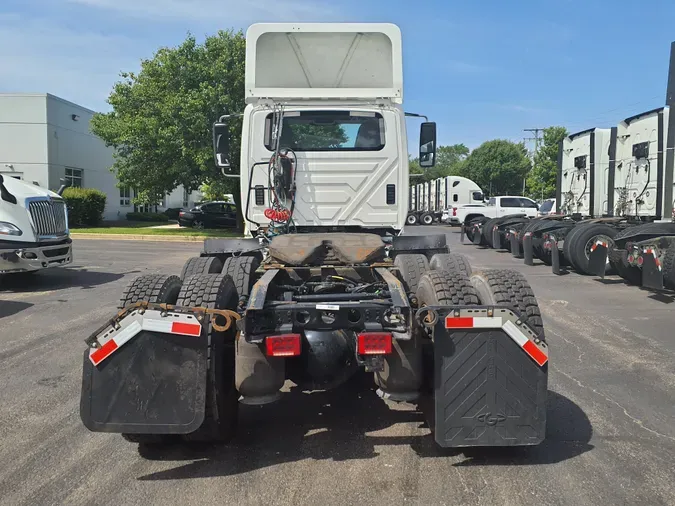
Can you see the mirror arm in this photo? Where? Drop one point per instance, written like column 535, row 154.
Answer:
column 228, row 116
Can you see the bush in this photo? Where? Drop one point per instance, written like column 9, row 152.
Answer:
column 158, row 217
column 85, row 206
column 172, row 213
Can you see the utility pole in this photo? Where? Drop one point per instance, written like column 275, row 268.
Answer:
column 536, row 139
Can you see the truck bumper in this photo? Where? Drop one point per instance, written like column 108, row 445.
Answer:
column 26, row 257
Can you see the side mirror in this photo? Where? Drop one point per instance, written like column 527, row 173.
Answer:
column 427, row 156
column 221, row 145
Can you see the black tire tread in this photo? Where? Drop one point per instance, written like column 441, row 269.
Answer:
column 241, row 270
column 578, row 255
column 215, row 291
column 450, row 262
column 156, row 289
column 511, row 288
column 153, row 288
column 411, row 266
column 201, row 265
column 669, row 267
column 446, row 288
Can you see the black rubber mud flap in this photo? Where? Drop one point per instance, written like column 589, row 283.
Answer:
column 555, row 258
column 477, row 235
column 496, row 239
column 154, row 384
column 527, row 249
column 597, row 260
column 652, row 275
column 488, row 391
column 515, row 247
column 462, row 233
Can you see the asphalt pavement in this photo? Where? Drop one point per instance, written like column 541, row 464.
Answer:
column 610, row 439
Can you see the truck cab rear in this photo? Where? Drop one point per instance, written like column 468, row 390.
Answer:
column 325, row 285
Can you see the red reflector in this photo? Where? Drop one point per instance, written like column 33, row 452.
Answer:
column 103, row 351
column 460, row 322
column 189, row 329
column 640, row 260
column 285, row 345
column 537, row 355
column 454, row 211
column 374, row 343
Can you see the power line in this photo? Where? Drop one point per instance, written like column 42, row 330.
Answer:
column 536, row 140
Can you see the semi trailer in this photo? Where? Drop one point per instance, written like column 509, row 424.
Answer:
column 439, row 199
column 324, row 285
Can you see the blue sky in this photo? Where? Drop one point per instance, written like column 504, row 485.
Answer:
column 482, row 69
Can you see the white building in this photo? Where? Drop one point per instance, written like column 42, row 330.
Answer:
column 44, row 138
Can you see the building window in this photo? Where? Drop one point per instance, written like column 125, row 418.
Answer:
column 125, row 197
column 74, row 177
column 186, row 198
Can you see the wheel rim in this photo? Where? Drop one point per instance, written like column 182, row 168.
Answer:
column 198, row 225
column 427, row 220
column 411, row 220
column 589, row 244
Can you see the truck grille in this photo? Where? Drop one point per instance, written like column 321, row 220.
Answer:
column 49, row 217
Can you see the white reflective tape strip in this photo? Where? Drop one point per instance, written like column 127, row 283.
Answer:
column 515, row 333
column 126, row 334
column 328, row 307
column 484, row 322
column 157, row 325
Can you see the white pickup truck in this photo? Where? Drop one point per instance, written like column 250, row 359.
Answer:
column 496, row 206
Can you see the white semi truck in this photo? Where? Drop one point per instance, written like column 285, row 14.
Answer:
column 325, row 286
column 33, row 228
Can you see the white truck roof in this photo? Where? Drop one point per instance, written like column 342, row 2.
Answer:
column 304, row 61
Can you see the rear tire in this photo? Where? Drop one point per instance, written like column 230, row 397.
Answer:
column 579, row 246
column 152, row 288
column 427, row 219
column 411, row 267
column 222, row 400
column 411, row 219
column 509, row 288
column 446, row 288
column 155, row 289
column 669, row 268
column 241, row 270
column 618, row 259
column 441, row 288
column 453, row 262
column 567, row 245
column 487, row 230
column 201, row 265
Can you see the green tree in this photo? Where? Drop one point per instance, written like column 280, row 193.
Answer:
column 541, row 181
column 161, row 118
column 498, row 166
column 450, row 161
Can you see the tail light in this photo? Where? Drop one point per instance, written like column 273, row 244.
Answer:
column 181, row 213
column 374, row 343
column 284, row 345
column 454, row 212
column 640, row 260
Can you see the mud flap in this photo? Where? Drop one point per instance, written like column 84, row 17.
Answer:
column 515, row 247
column 555, row 258
column 527, row 249
column 477, row 235
column 597, row 260
column 496, row 239
column 154, row 384
column 488, row 390
column 652, row 275
column 462, row 233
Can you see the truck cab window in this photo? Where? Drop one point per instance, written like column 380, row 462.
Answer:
column 328, row 131
column 478, row 196
column 492, row 202
column 527, row 203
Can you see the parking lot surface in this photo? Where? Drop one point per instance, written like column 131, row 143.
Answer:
column 611, row 436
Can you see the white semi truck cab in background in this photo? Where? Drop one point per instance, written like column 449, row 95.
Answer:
column 326, row 99
column 33, row 228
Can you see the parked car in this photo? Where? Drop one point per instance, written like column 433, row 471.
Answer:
column 547, row 207
column 209, row 215
column 497, row 207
